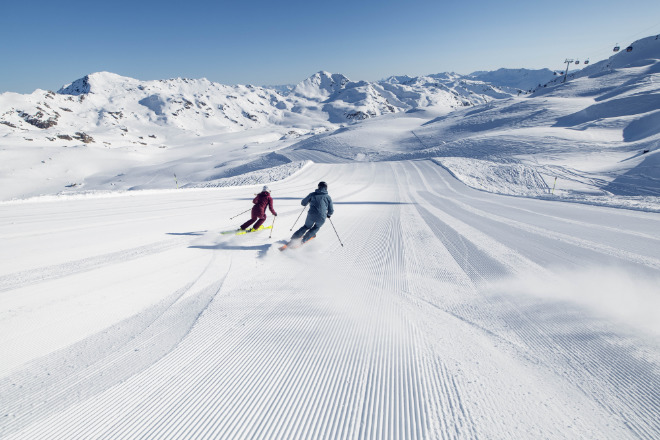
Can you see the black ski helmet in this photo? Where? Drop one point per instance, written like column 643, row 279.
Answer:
column 323, row 185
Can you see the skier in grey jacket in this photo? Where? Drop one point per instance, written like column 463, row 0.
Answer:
column 320, row 208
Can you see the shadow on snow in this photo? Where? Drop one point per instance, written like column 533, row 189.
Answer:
column 263, row 249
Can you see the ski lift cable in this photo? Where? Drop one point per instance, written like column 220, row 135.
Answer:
column 644, row 32
column 603, row 53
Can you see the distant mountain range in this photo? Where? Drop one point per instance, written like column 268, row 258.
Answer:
column 102, row 105
column 597, row 130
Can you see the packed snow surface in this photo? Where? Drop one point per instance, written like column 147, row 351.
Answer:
column 491, row 269
column 447, row 313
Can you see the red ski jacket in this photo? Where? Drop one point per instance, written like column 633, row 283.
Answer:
column 262, row 200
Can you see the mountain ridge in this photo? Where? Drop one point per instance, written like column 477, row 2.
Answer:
column 102, row 100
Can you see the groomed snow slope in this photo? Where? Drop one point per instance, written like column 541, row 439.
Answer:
column 448, row 313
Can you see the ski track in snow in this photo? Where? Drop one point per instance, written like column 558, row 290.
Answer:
column 12, row 281
column 408, row 331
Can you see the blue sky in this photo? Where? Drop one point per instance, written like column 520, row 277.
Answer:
column 46, row 44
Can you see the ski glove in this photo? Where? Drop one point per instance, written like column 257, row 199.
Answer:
column 328, row 216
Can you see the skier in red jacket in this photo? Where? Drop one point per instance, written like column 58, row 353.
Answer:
column 262, row 200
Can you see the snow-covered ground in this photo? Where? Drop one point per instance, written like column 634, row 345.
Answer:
column 448, row 313
column 455, row 294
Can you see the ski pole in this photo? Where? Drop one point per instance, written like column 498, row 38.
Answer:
column 294, row 223
column 333, row 227
column 272, row 227
column 230, row 218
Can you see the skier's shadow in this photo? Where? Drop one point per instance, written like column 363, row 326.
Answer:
column 373, row 203
column 263, row 249
column 274, row 198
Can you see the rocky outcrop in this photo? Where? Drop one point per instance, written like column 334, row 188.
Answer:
column 40, row 119
column 84, row 137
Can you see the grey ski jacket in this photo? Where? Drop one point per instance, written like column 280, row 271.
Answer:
column 320, row 204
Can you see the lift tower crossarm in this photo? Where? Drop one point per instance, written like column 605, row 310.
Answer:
column 568, row 63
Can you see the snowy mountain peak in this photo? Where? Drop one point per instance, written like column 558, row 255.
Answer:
column 78, row 87
column 399, row 79
column 321, row 85
column 95, row 83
